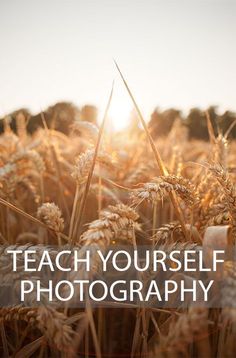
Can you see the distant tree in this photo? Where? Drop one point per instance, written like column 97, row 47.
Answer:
column 89, row 113
column 60, row 117
column 161, row 123
column 12, row 119
column 197, row 124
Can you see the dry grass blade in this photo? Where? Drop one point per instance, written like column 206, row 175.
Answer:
column 30, row 349
column 57, row 165
column 230, row 129
column 159, row 161
column 4, row 340
column 210, row 129
column 21, row 212
column 88, row 182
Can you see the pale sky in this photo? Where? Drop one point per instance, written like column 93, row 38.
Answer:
column 178, row 53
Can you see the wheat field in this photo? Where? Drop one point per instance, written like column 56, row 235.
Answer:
column 88, row 188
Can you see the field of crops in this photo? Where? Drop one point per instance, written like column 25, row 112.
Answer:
column 93, row 188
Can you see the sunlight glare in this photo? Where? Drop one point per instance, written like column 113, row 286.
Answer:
column 120, row 110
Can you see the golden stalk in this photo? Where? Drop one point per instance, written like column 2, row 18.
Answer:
column 157, row 155
column 89, row 179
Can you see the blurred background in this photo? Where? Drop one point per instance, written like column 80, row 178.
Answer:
column 175, row 54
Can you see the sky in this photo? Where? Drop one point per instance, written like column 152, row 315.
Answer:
column 178, row 53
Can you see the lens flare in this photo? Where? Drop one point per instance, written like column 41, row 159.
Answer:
column 120, row 110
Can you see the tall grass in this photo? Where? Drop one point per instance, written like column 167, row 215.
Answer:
column 91, row 190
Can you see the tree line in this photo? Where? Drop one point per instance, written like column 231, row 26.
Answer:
column 195, row 121
column 62, row 115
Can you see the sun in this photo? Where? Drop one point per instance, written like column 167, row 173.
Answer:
column 120, row 110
